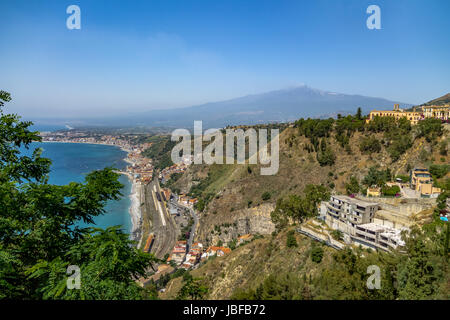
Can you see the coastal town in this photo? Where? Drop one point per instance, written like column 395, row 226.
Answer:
column 371, row 220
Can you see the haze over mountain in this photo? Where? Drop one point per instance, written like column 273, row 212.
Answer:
column 274, row 106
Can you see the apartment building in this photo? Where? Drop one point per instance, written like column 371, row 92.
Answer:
column 355, row 218
column 379, row 236
column 350, row 211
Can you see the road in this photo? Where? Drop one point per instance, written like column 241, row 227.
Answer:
column 194, row 225
column 163, row 225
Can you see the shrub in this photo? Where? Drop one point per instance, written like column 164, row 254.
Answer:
column 266, row 196
column 439, row 171
column 325, row 156
column 316, row 254
column 369, row 145
column 291, row 241
column 390, row 191
column 337, row 235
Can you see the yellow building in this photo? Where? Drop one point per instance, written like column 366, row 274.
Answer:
column 438, row 112
column 422, row 182
column 374, row 192
column 397, row 113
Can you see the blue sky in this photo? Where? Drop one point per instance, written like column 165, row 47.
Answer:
column 141, row 55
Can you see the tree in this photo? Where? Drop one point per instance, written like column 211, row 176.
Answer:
column 193, row 288
column 377, row 177
column 430, row 128
column 299, row 208
column 325, row 156
column 359, row 114
column 39, row 233
column 266, row 196
column 316, row 254
column 353, row 186
column 439, row 171
column 390, row 191
column 416, row 274
column 369, row 145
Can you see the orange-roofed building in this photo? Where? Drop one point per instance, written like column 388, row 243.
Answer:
column 243, row 238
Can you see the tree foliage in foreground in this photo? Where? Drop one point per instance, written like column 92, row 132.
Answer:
column 39, row 233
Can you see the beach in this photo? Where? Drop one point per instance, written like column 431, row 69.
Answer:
column 135, row 210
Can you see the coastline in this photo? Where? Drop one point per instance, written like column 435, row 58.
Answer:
column 135, row 196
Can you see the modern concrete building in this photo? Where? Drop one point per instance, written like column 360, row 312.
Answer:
column 355, row 218
column 379, row 236
column 351, row 211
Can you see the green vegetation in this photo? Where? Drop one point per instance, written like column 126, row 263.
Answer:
column 39, row 237
column 430, row 128
column 404, row 178
column 206, row 189
column 266, row 196
column 352, row 187
column 160, row 151
column 377, row 177
column 193, row 289
column 390, row 191
column 299, row 208
column 420, row 272
column 369, row 145
column 291, row 242
column 337, row 234
column 397, row 135
column 325, row 155
column 439, row 171
column 316, row 253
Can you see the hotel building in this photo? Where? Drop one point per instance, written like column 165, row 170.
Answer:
column 397, row 113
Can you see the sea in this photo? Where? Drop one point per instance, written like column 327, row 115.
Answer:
column 73, row 161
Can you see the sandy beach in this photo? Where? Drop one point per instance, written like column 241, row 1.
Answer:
column 135, row 210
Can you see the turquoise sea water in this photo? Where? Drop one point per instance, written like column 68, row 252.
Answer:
column 72, row 161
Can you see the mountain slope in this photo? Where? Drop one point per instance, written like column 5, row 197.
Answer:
column 445, row 99
column 275, row 106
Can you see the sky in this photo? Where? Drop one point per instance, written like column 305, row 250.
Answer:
column 131, row 56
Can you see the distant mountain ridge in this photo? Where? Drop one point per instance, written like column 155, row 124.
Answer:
column 275, row 106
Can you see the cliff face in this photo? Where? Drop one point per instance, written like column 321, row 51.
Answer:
column 254, row 220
